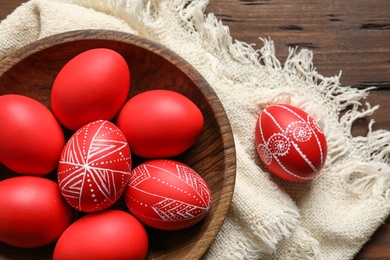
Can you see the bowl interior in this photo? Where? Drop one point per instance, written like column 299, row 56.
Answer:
column 30, row 71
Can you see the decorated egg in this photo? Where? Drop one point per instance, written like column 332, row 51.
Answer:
column 167, row 195
column 91, row 86
column 290, row 142
column 94, row 167
column 31, row 139
column 160, row 123
column 33, row 212
column 110, row 234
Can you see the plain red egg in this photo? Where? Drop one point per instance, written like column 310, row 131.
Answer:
column 32, row 212
column 160, row 123
column 93, row 85
column 167, row 195
column 111, row 234
column 290, row 142
column 31, row 139
column 94, row 167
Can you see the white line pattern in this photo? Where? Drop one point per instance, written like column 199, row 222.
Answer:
column 278, row 144
column 93, row 172
column 172, row 208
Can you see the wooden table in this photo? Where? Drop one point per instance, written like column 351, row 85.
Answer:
column 350, row 35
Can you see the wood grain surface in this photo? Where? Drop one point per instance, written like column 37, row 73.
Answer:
column 352, row 36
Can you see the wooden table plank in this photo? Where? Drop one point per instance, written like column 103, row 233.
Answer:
column 350, row 35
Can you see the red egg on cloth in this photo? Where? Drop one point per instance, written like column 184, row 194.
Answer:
column 31, row 139
column 160, row 123
column 290, row 142
column 167, row 195
column 32, row 212
column 94, row 167
column 110, row 234
column 93, row 85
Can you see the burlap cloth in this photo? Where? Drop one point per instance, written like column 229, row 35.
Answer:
column 330, row 217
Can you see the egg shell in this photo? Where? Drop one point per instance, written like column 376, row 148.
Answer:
column 160, row 123
column 33, row 212
column 91, row 86
column 31, row 139
column 167, row 195
column 290, row 142
column 110, row 234
column 94, row 167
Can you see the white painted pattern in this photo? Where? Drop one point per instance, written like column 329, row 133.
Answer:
column 173, row 208
column 94, row 171
column 315, row 125
column 279, row 144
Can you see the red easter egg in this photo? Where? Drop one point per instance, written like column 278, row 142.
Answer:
column 167, row 195
column 94, row 167
column 31, row 139
column 91, row 86
column 290, row 142
column 32, row 212
column 110, row 234
column 160, row 123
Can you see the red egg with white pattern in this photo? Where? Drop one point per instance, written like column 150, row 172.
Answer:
column 290, row 142
column 167, row 195
column 95, row 166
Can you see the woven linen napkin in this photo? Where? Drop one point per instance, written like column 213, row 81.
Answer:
column 330, row 217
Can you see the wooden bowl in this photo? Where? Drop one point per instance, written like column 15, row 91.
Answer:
column 30, row 71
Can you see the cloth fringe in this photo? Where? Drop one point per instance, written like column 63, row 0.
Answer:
column 373, row 148
column 301, row 246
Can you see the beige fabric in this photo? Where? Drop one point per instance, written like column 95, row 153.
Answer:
column 330, row 217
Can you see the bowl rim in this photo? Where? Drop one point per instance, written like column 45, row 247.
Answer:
column 199, row 247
